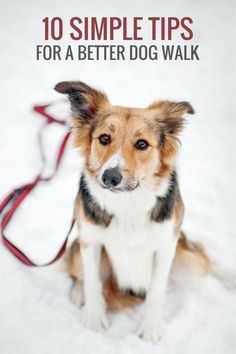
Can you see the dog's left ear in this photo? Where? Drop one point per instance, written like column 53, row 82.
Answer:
column 85, row 100
column 170, row 120
column 170, row 115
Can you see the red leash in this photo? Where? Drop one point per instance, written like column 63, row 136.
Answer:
column 12, row 201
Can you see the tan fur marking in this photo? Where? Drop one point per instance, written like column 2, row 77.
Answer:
column 178, row 212
column 192, row 256
column 117, row 300
column 74, row 262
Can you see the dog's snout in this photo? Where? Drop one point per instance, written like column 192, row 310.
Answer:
column 111, row 177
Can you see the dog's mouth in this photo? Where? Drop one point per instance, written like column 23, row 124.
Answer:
column 121, row 189
column 128, row 187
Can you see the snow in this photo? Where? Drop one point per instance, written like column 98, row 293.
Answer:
column 37, row 315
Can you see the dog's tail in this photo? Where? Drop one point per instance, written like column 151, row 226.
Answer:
column 191, row 255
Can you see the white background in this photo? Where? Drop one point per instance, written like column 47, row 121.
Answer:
column 36, row 315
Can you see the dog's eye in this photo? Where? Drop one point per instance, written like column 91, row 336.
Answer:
column 104, row 139
column 141, row 144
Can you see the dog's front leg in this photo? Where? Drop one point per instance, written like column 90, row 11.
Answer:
column 94, row 311
column 152, row 325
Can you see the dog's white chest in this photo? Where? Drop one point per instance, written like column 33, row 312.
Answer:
column 131, row 254
column 131, row 246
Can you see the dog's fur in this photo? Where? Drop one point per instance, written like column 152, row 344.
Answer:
column 129, row 233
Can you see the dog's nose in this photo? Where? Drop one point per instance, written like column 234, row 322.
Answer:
column 111, row 177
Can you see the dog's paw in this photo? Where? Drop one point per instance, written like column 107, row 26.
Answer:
column 76, row 294
column 151, row 331
column 95, row 318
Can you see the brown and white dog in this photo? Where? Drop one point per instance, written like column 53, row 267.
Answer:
column 128, row 209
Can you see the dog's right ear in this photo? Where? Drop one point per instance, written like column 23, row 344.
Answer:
column 85, row 100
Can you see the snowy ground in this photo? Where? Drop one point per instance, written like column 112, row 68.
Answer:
column 36, row 315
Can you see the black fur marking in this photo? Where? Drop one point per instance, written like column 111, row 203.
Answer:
column 164, row 205
column 80, row 106
column 92, row 209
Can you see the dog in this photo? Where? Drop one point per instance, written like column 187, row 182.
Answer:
column 128, row 209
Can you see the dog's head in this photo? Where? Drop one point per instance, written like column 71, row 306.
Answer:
column 124, row 148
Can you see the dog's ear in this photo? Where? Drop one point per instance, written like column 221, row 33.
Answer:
column 170, row 115
column 85, row 100
column 170, row 120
